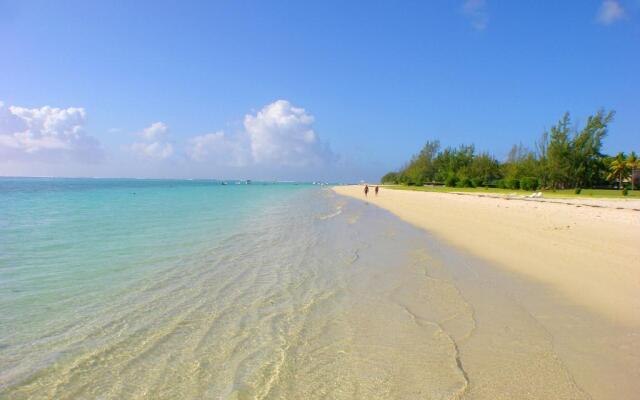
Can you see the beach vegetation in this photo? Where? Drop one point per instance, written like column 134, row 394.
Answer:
column 451, row 180
column 512, row 183
column 565, row 157
column 618, row 169
column 390, row 178
column 547, row 193
column 477, row 182
column 529, row 183
column 633, row 164
column 465, row 182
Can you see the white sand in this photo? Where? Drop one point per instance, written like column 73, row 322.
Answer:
column 591, row 255
column 572, row 265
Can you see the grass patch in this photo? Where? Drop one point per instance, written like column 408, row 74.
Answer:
column 565, row 193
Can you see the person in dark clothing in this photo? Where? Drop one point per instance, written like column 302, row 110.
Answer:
column 366, row 190
column 377, row 188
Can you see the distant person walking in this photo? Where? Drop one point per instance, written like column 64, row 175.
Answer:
column 377, row 188
column 366, row 190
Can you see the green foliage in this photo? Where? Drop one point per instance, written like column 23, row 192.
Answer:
column 577, row 190
column 390, row 178
column 566, row 156
column 520, row 162
column 464, row 182
column 512, row 183
column 529, row 183
column 434, row 165
column 559, row 153
column 421, row 167
column 633, row 163
column 574, row 159
column 619, row 169
column 453, row 161
column 477, row 182
column 484, row 168
column 625, row 192
column 451, row 180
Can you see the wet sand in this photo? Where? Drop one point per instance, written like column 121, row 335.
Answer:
column 571, row 268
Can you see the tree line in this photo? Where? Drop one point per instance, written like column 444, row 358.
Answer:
column 565, row 156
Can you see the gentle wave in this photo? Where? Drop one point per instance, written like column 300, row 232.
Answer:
column 337, row 212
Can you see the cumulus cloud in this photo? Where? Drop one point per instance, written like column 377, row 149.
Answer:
column 155, row 150
column 610, row 11
column 153, row 145
column 219, row 148
column 476, row 12
column 282, row 134
column 156, row 130
column 46, row 134
column 279, row 135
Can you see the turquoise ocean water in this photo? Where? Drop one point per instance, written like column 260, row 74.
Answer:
column 77, row 255
column 157, row 289
column 192, row 289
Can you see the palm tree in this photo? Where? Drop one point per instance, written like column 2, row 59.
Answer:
column 619, row 169
column 632, row 164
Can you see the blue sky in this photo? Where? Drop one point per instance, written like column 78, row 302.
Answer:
column 301, row 90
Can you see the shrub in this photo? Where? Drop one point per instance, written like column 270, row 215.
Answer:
column 499, row 183
column 391, row 177
column 529, row 183
column 578, row 190
column 465, row 182
column 512, row 183
column 625, row 191
column 451, row 180
column 477, row 182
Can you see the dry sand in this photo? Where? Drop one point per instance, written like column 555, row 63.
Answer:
column 574, row 266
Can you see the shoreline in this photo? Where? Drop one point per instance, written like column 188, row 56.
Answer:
column 548, row 260
column 611, row 203
column 585, row 253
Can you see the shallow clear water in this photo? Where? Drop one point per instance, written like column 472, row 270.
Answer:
column 83, row 262
column 190, row 289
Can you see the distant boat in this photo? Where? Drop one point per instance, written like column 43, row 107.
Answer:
column 224, row 183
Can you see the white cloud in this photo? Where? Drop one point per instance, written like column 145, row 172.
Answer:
column 46, row 134
column 476, row 12
column 219, row 148
column 610, row 11
column 152, row 146
column 283, row 135
column 154, row 150
column 279, row 135
column 156, row 130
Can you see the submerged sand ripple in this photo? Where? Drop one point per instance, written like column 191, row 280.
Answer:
column 357, row 305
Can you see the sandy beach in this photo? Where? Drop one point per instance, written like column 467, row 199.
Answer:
column 592, row 255
column 581, row 257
